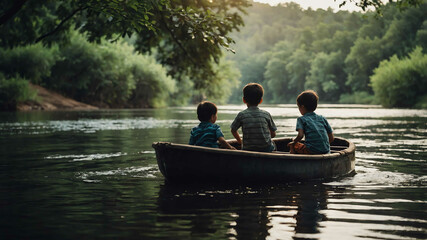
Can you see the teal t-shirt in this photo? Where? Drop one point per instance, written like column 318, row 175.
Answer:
column 206, row 134
column 316, row 129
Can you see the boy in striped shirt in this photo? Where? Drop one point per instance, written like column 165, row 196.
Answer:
column 257, row 125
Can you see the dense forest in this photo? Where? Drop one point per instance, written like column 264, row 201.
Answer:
column 347, row 57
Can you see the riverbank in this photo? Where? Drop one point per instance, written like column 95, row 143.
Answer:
column 49, row 100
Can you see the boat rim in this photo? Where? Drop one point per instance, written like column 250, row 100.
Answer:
column 285, row 155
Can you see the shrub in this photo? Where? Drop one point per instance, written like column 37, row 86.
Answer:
column 421, row 102
column 227, row 80
column 31, row 62
column 358, row 98
column 401, row 82
column 110, row 74
column 13, row 91
column 152, row 86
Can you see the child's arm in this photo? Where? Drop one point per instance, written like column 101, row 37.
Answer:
column 237, row 136
column 225, row 144
column 331, row 137
column 272, row 133
column 298, row 138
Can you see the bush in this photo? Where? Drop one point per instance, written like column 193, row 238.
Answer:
column 13, row 91
column 31, row 62
column 152, row 86
column 357, row 98
column 110, row 75
column 104, row 74
column 84, row 70
column 402, row 82
column 421, row 102
column 220, row 90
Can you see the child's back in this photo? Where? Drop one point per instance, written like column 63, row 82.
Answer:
column 316, row 129
column 257, row 125
column 207, row 133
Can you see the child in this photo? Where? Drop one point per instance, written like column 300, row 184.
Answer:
column 317, row 131
column 207, row 133
column 257, row 125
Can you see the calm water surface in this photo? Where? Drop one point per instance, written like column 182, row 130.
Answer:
column 93, row 175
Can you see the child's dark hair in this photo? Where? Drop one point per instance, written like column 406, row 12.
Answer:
column 205, row 110
column 252, row 93
column 308, row 99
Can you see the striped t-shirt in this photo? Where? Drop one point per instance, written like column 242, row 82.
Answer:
column 256, row 125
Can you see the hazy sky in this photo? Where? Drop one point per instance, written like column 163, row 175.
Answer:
column 315, row 4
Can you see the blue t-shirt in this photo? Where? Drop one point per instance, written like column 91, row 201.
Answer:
column 206, row 135
column 316, row 129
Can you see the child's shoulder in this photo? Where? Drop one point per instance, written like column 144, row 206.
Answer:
column 212, row 127
column 206, row 125
column 250, row 111
column 320, row 116
column 309, row 117
column 257, row 109
column 312, row 117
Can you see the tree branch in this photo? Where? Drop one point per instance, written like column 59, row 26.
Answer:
column 60, row 24
column 172, row 34
column 17, row 5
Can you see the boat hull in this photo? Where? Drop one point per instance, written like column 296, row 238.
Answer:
column 179, row 162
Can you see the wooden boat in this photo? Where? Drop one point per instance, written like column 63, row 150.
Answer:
column 181, row 162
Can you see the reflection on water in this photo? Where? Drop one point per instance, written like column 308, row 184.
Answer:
column 69, row 175
column 249, row 212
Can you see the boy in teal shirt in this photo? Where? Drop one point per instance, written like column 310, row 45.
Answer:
column 317, row 131
column 207, row 134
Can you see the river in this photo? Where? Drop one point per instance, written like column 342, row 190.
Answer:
column 93, row 175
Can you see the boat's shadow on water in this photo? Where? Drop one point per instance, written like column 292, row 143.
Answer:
column 248, row 211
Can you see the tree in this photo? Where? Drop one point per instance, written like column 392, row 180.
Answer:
column 276, row 73
column 400, row 37
column 402, row 82
column 378, row 4
column 363, row 58
column 188, row 34
column 224, row 85
column 421, row 36
column 251, row 70
column 327, row 75
column 298, row 67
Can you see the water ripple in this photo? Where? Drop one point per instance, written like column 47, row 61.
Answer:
column 140, row 172
column 88, row 125
column 89, row 157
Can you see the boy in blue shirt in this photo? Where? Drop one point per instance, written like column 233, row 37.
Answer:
column 317, row 131
column 207, row 134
